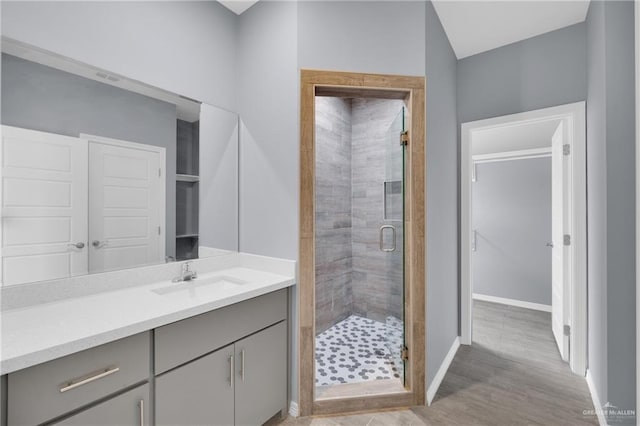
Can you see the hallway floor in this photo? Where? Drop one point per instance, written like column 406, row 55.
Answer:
column 511, row 375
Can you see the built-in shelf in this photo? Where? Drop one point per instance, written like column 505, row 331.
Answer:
column 187, row 236
column 187, row 178
column 187, row 189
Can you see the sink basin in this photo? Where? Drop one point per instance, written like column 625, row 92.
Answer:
column 201, row 286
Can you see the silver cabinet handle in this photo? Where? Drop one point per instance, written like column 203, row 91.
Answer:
column 99, row 375
column 142, row 412
column 393, row 229
column 79, row 245
column 99, row 244
column 231, row 370
column 242, row 365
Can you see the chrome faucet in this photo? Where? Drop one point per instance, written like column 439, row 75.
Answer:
column 187, row 273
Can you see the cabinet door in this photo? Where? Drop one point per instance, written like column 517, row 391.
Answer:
column 129, row 409
column 261, row 389
column 198, row 393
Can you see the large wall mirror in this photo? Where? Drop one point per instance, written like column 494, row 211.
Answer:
column 100, row 172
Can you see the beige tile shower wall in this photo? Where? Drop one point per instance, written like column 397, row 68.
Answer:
column 377, row 275
column 334, row 299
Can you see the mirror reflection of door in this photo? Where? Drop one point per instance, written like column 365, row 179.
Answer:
column 49, row 180
column 44, row 206
column 126, row 198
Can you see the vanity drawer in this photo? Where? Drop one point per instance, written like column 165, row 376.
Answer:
column 182, row 341
column 48, row 390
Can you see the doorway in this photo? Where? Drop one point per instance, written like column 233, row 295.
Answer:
column 361, row 289
column 564, row 290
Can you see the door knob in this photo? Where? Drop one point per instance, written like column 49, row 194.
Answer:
column 549, row 245
column 98, row 244
column 79, row 245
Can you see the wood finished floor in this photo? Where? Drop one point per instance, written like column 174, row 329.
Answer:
column 511, row 375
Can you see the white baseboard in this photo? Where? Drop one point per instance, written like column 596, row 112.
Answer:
column 437, row 380
column 596, row 399
column 293, row 409
column 512, row 302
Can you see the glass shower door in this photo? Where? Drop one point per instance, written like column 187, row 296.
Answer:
column 392, row 243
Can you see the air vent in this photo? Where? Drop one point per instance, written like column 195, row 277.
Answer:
column 107, row 76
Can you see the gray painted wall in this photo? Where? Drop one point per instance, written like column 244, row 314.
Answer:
column 512, row 214
column 378, row 37
column 597, row 199
column 611, row 201
column 442, row 194
column 539, row 72
column 186, row 47
column 42, row 98
column 333, row 212
column 269, row 139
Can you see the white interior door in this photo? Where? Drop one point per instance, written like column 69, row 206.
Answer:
column 44, row 206
column 559, row 262
column 126, row 205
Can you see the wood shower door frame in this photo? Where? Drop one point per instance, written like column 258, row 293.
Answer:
column 412, row 91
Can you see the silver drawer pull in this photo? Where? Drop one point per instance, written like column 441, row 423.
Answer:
column 94, row 377
column 142, row 412
column 232, row 369
column 242, row 364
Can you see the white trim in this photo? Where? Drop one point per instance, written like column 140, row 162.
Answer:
column 637, row 35
column 439, row 377
column 597, row 405
column 574, row 117
column 162, row 152
column 522, row 154
column 512, row 302
column 293, row 409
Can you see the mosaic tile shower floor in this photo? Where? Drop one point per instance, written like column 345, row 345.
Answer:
column 357, row 350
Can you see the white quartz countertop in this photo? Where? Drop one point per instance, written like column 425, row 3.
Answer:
column 35, row 334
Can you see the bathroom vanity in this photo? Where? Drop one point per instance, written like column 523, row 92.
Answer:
column 208, row 351
column 106, row 182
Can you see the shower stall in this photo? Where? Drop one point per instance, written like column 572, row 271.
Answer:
column 359, row 242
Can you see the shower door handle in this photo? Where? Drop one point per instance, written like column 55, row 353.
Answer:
column 393, row 232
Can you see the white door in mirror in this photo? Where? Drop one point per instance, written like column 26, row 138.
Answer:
column 125, row 201
column 44, row 199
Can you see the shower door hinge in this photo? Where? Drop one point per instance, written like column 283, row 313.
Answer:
column 566, row 149
column 404, row 353
column 404, row 138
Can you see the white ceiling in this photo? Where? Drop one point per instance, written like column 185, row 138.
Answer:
column 514, row 138
column 477, row 26
column 238, row 6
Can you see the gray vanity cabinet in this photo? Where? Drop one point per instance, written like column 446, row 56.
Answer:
column 261, row 386
column 199, row 393
column 242, row 384
column 224, row 367
column 50, row 390
column 128, row 409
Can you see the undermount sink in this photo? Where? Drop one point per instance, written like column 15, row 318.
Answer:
column 198, row 286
